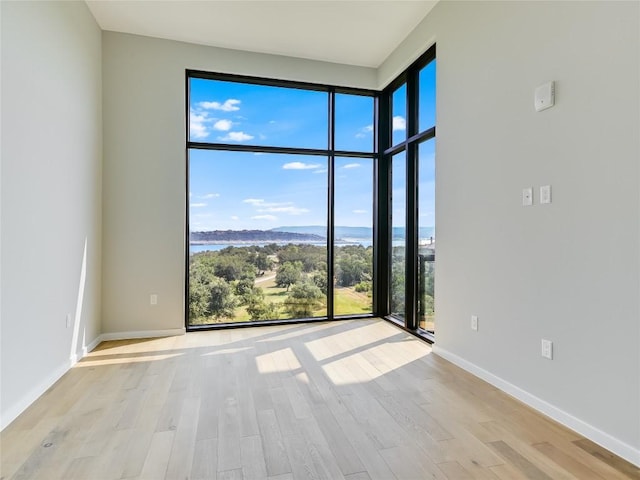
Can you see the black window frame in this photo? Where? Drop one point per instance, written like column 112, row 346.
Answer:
column 410, row 144
column 330, row 154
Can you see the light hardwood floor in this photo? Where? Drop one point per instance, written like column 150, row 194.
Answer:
column 357, row 400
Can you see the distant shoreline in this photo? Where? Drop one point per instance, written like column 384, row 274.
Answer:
column 364, row 242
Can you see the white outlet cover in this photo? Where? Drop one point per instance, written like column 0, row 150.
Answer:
column 474, row 322
column 527, row 197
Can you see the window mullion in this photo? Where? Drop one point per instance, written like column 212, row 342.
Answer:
column 330, row 204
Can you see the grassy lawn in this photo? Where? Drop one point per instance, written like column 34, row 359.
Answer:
column 347, row 301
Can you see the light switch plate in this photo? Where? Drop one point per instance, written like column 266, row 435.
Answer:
column 527, row 197
column 545, row 96
column 545, row 194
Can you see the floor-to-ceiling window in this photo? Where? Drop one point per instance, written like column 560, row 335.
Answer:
column 408, row 175
column 280, row 200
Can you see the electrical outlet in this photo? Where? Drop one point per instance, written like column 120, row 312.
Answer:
column 153, row 299
column 68, row 320
column 527, row 197
column 474, row 322
column 547, row 349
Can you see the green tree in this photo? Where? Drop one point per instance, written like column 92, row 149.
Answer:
column 353, row 265
column 229, row 267
column 234, row 266
column 198, row 300
column 244, row 288
column 222, row 302
column 288, row 273
column 258, row 308
column 398, row 281
column 263, row 262
column 304, row 298
column 201, row 274
column 310, row 256
column 363, row 287
column 320, row 280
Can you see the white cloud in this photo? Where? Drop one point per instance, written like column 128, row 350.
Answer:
column 230, row 105
column 290, row 209
column 300, row 166
column 236, row 137
column 210, row 195
column 254, row 201
column 365, row 131
column 197, row 127
column 197, row 205
column 275, row 207
column 223, row 125
column 271, row 218
column 351, row 165
column 399, row 123
column 322, row 170
column 235, row 217
column 360, row 211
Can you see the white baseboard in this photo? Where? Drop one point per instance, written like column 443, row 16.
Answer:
column 141, row 334
column 36, row 392
column 13, row 412
column 87, row 348
column 620, row 448
column 76, row 357
column 32, row 395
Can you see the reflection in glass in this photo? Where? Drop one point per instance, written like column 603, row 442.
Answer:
column 354, row 123
column 399, row 115
column 427, row 97
column 241, row 113
column 257, row 237
column 398, row 234
column 426, row 234
column 353, row 283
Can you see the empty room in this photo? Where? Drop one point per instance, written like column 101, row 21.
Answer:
column 219, row 225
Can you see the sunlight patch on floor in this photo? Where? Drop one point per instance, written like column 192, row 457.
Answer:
column 279, row 361
column 88, row 362
column 224, row 351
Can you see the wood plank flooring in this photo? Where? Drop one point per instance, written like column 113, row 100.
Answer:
column 355, row 400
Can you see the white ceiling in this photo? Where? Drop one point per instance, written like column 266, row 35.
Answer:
column 355, row 32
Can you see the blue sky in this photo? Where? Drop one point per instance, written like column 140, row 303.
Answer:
column 239, row 190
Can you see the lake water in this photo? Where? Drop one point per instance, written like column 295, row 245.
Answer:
column 215, row 248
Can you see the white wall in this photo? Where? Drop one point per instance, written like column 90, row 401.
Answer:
column 144, row 167
column 51, row 195
column 568, row 271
